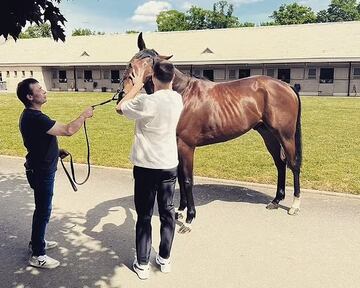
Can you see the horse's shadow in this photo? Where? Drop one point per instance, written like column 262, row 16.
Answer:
column 121, row 237
column 91, row 245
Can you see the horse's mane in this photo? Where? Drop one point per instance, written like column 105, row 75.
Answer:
column 145, row 53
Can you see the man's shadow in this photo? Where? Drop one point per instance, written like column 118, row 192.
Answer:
column 84, row 262
column 121, row 237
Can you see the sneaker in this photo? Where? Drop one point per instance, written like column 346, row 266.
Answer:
column 44, row 262
column 48, row 245
column 165, row 265
column 143, row 271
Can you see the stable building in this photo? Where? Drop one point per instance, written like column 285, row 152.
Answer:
column 319, row 59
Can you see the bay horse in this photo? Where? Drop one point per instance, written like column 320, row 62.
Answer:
column 217, row 112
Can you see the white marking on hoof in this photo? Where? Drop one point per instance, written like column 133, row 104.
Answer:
column 295, row 207
column 185, row 228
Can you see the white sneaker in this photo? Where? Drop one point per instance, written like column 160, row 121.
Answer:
column 48, row 245
column 43, row 261
column 143, row 271
column 165, row 264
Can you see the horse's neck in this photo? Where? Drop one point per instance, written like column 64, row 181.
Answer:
column 181, row 82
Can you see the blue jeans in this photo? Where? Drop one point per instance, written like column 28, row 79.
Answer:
column 42, row 182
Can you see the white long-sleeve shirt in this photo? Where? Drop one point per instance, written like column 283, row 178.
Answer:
column 156, row 118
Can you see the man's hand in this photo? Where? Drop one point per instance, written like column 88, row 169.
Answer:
column 137, row 77
column 88, row 112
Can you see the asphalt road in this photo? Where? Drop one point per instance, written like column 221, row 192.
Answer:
column 235, row 241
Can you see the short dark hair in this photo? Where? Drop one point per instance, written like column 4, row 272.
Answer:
column 164, row 71
column 23, row 89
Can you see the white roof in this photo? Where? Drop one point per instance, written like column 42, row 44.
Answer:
column 325, row 42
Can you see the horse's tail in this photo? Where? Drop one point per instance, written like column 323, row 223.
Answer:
column 298, row 141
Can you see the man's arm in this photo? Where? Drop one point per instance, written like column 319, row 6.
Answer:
column 132, row 93
column 71, row 128
column 137, row 79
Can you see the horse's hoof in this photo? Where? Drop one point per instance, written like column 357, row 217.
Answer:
column 185, row 228
column 179, row 215
column 272, row 206
column 293, row 211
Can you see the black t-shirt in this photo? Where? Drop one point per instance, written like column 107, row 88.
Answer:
column 43, row 150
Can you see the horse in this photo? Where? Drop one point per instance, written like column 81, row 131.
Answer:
column 216, row 112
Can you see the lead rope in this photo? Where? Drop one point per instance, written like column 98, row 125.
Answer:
column 63, row 153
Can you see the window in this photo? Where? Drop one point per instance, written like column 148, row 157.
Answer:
column 232, row 74
column 88, row 76
column 106, row 74
column 62, row 76
column 243, row 73
column 0, row 76
column 31, row 73
column 15, row 74
column 209, row 74
column 23, row 74
column 54, row 74
column 270, row 72
column 284, row 75
column 312, row 73
column 356, row 73
column 79, row 74
column 197, row 72
column 7, row 74
column 115, row 76
column 327, row 75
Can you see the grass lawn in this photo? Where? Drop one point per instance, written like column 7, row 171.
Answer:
column 331, row 141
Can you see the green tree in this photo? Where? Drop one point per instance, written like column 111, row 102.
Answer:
column 132, row 32
column 35, row 31
column 293, row 14
column 171, row 20
column 15, row 14
column 196, row 18
column 340, row 10
column 221, row 16
column 269, row 23
column 85, row 32
column 247, row 24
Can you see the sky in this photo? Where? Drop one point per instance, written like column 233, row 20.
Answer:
column 112, row 16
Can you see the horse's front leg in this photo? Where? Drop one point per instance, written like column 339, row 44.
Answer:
column 186, row 159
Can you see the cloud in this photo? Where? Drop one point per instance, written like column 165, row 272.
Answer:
column 147, row 12
column 243, row 2
column 187, row 5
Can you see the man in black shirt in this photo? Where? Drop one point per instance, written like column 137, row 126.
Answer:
column 39, row 135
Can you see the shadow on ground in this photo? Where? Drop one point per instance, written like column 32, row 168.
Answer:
column 90, row 251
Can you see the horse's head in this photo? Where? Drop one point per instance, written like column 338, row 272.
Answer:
column 137, row 63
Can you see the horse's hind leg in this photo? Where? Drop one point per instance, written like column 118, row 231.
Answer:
column 290, row 151
column 186, row 158
column 274, row 148
column 183, row 202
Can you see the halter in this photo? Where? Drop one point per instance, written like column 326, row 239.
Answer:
column 116, row 97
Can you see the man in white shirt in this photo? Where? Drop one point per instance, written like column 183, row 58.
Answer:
column 155, row 158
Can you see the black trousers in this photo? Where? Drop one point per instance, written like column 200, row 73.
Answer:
column 148, row 184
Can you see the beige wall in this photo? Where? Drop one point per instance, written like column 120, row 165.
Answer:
column 12, row 80
column 299, row 75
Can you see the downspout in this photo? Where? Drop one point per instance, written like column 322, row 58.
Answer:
column 349, row 78
column 75, row 79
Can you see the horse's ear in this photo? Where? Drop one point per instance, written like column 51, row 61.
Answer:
column 165, row 57
column 141, row 43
